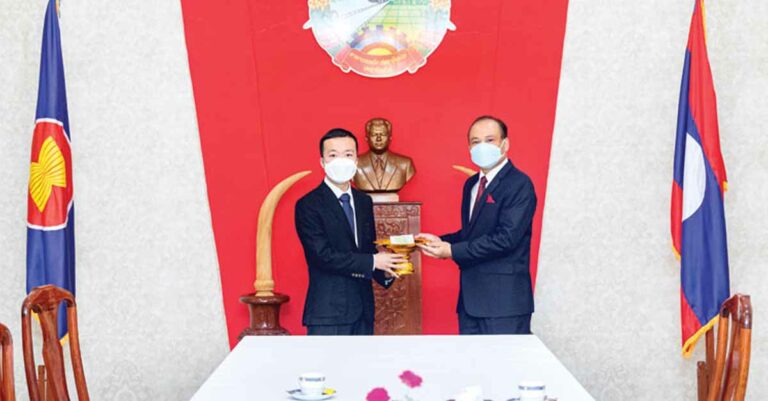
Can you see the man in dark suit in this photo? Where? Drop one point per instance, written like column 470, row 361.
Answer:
column 335, row 225
column 493, row 246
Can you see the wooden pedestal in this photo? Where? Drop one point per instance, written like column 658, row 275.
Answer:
column 265, row 315
column 398, row 309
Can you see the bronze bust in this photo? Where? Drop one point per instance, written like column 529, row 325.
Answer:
column 379, row 170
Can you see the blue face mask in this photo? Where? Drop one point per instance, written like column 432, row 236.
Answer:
column 485, row 155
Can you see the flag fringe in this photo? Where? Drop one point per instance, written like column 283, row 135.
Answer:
column 690, row 343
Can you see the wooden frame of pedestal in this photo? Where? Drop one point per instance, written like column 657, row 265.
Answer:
column 264, row 314
column 398, row 309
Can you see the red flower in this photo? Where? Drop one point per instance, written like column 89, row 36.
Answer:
column 377, row 394
column 410, row 379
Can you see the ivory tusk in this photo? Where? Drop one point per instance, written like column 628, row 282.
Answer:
column 264, row 283
column 466, row 170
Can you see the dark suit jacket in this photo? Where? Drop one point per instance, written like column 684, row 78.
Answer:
column 340, row 273
column 493, row 250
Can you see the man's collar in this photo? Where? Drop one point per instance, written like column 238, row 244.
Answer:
column 382, row 156
column 336, row 190
column 494, row 171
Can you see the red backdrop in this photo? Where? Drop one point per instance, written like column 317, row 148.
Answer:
column 265, row 92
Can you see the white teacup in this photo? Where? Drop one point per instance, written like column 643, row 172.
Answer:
column 532, row 391
column 312, row 383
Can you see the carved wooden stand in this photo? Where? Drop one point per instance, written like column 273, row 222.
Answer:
column 265, row 315
column 398, row 309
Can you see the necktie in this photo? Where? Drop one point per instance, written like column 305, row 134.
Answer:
column 379, row 164
column 378, row 170
column 480, row 190
column 347, row 206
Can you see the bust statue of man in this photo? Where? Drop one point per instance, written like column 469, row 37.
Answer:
column 380, row 170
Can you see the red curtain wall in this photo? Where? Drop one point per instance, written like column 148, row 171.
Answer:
column 265, row 92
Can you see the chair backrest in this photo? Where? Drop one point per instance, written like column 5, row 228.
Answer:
column 44, row 302
column 6, row 367
column 730, row 369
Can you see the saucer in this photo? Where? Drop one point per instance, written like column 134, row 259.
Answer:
column 296, row 394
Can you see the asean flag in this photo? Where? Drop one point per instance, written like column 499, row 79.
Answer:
column 50, row 211
column 698, row 218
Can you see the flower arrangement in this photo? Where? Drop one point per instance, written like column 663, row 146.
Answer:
column 411, row 381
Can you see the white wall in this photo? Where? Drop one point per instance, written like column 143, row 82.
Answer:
column 149, row 297
column 608, row 288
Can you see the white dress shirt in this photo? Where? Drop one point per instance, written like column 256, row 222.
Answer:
column 489, row 177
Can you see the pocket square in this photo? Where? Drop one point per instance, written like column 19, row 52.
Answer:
column 490, row 199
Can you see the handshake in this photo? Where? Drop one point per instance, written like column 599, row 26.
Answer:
column 396, row 263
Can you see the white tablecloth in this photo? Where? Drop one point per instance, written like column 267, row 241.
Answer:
column 263, row 368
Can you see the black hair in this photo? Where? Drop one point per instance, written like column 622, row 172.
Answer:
column 336, row 133
column 491, row 118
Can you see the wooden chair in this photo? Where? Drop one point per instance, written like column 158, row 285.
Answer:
column 723, row 377
column 6, row 368
column 44, row 301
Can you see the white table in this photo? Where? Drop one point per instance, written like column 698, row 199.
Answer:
column 263, row 368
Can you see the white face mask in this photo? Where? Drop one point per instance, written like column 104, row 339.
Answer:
column 340, row 170
column 486, row 155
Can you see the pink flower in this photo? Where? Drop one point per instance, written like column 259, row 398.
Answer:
column 377, row 394
column 410, row 379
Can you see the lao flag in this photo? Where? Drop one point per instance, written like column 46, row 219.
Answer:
column 698, row 219
column 50, row 214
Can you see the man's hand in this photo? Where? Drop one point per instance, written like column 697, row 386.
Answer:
column 428, row 237
column 437, row 249
column 387, row 262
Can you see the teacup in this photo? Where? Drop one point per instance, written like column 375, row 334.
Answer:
column 532, row 391
column 312, row 383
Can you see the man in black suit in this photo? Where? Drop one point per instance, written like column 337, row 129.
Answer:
column 335, row 225
column 493, row 246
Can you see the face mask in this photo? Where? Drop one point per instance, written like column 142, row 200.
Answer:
column 485, row 154
column 340, row 170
